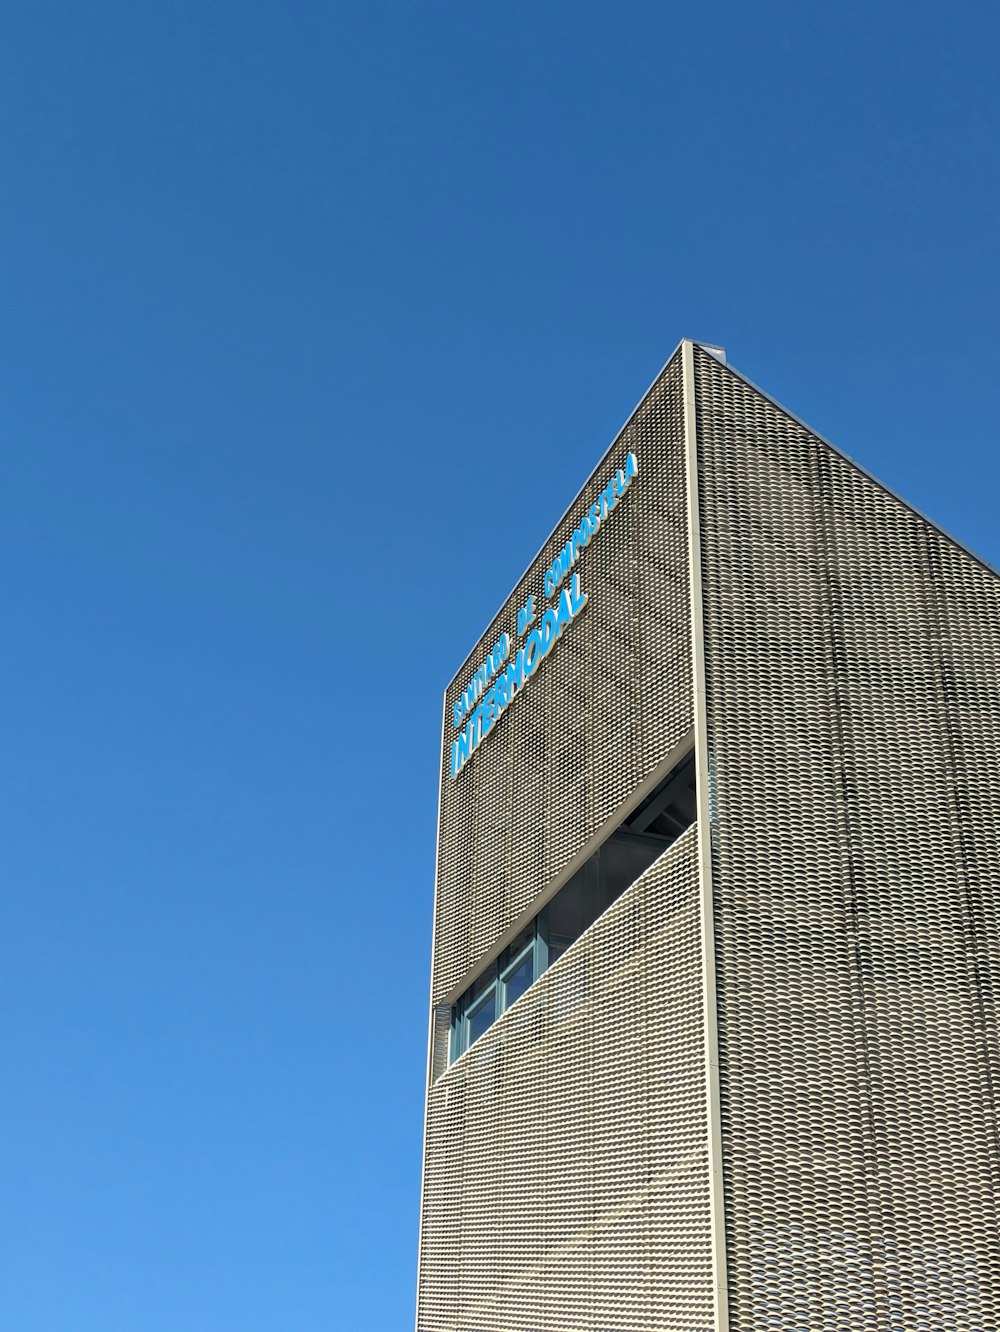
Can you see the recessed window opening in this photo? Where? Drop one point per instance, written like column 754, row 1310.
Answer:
column 615, row 865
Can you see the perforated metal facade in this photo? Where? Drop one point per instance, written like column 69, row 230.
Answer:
column 610, row 702
column 567, row 1151
column 760, row 1092
column 853, row 666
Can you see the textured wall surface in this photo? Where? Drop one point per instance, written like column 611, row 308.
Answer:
column 853, row 663
column 609, row 703
column 566, row 1186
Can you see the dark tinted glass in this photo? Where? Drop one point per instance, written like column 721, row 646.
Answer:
column 518, row 980
column 482, row 1016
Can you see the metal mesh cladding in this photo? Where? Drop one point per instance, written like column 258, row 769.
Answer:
column 603, row 709
column 566, row 1186
column 852, row 658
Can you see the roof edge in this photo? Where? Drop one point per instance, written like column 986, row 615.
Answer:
column 794, row 416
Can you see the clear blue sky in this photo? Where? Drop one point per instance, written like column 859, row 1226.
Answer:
column 315, row 315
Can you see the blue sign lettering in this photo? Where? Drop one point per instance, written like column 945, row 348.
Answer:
column 495, row 684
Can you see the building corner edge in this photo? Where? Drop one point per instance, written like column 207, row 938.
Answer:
column 720, row 1285
column 429, row 1079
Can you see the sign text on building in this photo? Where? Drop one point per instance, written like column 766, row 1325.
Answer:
column 498, row 680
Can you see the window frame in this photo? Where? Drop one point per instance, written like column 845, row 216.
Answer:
column 491, row 994
column 530, row 950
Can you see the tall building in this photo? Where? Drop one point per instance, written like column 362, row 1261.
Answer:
column 716, row 950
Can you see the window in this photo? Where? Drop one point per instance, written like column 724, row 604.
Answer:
column 518, row 976
column 503, row 982
column 482, row 1014
column 614, row 866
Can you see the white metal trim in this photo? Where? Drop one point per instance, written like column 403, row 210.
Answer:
column 720, row 1287
column 430, row 1021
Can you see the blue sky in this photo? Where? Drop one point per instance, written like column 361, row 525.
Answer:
column 314, row 318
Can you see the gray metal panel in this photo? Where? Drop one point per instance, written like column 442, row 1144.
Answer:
column 609, row 703
column 567, row 1174
column 852, row 657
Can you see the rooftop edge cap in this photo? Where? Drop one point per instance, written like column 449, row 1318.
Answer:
column 713, row 350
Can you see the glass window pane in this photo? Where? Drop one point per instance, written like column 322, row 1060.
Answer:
column 515, row 950
column 558, row 943
column 480, row 985
column 518, row 979
column 481, row 1017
